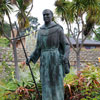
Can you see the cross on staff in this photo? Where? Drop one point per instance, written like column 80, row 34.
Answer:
column 19, row 37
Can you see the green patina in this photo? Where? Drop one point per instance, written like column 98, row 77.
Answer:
column 51, row 48
column 53, row 51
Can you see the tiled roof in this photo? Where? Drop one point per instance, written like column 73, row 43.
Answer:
column 86, row 42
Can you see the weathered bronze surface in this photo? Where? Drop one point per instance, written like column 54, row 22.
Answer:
column 53, row 50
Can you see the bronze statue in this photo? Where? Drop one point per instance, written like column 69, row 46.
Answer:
column 53, row 50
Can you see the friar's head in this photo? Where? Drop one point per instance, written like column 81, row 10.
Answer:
column 47, row 16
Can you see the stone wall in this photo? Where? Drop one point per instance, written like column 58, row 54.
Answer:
column 86, row 56
column 91, row 56
column 6, row 54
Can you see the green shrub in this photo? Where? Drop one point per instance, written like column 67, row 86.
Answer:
column 4, row 42
column 84, row 85
column 23, row 89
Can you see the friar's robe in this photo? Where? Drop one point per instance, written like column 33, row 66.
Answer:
column 51, row 47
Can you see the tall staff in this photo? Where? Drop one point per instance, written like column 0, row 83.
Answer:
column 27, row 59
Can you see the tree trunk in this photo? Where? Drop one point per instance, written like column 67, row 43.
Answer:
column 14, row 51
column 78, row 60
column 15, row 60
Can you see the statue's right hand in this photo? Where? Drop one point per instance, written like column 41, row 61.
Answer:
column 28, row 60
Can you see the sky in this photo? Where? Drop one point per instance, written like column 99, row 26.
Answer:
column 38, row 7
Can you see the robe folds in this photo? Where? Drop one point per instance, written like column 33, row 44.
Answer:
column 52, row 49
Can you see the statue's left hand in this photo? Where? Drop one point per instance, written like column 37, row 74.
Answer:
column 66, row 65
column 28, row 61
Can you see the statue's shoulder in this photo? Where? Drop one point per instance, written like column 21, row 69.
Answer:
column 41, row 31
column 59, row 27
column 42, row 27
column 52, row 28
column 52, row 25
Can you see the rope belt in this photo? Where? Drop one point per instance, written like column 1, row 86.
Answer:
column 50, row 49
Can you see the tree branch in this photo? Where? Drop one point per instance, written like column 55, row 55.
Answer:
column 83, row 41
column 71, row 44
column 96, row 34
column 82, row 21
column 30, row 9
column 69, row 30
column 22, row 14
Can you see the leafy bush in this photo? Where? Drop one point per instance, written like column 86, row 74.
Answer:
column 82, row 85
column 6, row 73
column 23, row 89
column 10, row 88
column 85, row 85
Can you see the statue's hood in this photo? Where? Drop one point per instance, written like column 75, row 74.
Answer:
column 52, row 24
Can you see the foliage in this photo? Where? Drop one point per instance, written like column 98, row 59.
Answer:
column 19, row 90
column 7, row 6
column 4, row 42
column 80, row 16
column 97, row 34
column 6, row 72
column 82, row 85
column 85, row 85
column 22, row 13
column 7, row 29
column 25, row 91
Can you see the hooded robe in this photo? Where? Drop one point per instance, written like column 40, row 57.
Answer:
column 53, row 50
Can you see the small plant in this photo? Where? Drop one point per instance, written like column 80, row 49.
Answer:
column 82, row 85
column 25, row 88
column 23, row 91
column 85, row 85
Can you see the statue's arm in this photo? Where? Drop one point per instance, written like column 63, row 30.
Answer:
column 37, row 52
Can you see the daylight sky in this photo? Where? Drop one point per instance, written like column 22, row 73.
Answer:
column 38, row 7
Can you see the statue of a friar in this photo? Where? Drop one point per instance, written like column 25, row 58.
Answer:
column 53, row 51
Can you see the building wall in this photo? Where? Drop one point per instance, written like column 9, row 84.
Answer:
column 86, row 56
column 19, row 45
column 97, row 47
column 15, row 33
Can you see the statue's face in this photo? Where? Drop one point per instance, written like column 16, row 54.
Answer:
column 47, row 16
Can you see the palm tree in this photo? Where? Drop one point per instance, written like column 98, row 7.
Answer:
column 6, row 8
column 22, row 14
column 73, row 12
